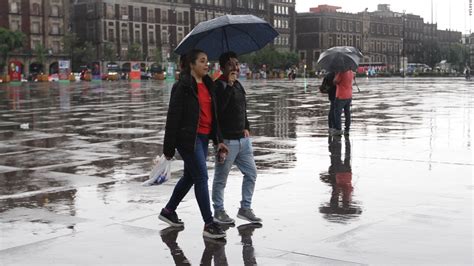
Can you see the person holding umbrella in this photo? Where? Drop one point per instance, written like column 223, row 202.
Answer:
column 232, row 115
column 343, row 81
column 191, row 121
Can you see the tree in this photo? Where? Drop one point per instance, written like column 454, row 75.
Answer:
column 40, row 53
column 135, row 52
column 110, row 53
column 9, row 41
column 270, row 57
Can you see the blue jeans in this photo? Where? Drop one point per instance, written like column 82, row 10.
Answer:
column 240, row 154
column 195, row 173
column 331, row 115
column 340, row 105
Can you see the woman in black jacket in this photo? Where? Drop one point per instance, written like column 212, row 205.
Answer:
column 190, row 123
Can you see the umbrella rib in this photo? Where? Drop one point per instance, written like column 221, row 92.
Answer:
column 226, row 39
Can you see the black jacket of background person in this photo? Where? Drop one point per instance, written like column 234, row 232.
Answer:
column 182, row 120
column 231, row 109
column 329, row 81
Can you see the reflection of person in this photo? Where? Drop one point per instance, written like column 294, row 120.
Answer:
column 248, row 252
column 339, row 177
column 190, row 122
column 467, row 72
column 169, row 236
column 328, row 82
column 343, row 81
column 214, row 248
column 232, row 115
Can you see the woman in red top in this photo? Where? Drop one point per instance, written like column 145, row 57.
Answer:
column 190, row 123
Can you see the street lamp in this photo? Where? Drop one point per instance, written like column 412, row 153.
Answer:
column 403, row 44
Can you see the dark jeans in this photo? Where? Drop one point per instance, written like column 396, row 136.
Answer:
column 340, row 105
column 331, row 115
column 195, row 173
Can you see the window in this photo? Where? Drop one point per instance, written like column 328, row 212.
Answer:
column 55, row 29
column 338, row 25
column 180, row 18
column 251, row 4
column 151, row 16
column 55, row 11
column 36, row 43
column 344, row 25
column 164, row 37
column 136, row 14
column 15, row 8
column 111, row 35
column 123, row 11
column 109, row 11
column 124, row 35
column 357, row 26
column 351, row 26
column 56, row 47
column 180, row 36
column 261, row 5
column 164, row 16
column 151, row 37
column 15, row 25
column 35, row 9
column 35, row 27
column 137, row 37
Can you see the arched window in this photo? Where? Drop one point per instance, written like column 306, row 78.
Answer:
column 35, row 9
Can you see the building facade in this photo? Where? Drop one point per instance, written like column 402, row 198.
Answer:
column 280, row 13
column 160, row 25
column 386, row 38
column 44, row 24
column 156, row 27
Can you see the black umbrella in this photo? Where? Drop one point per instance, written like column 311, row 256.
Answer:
column 238, row 33
column 340, row 58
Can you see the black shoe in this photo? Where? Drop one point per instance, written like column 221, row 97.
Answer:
column 171, row 218
column 213, row 230
column 247, row 229
column 170, row 234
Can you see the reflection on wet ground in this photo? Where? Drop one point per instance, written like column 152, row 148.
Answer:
column 72, row 158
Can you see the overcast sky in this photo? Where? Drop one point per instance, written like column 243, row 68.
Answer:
column 458, row 19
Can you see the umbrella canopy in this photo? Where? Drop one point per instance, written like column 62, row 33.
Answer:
column 340, row 58
column 238, row 33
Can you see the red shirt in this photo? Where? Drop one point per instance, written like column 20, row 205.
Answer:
column 343, row 82
column 205, row 116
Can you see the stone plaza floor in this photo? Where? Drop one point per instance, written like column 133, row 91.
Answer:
column 398, row 190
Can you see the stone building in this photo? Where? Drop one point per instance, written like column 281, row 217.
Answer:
column 44, row 24
column 386, row 38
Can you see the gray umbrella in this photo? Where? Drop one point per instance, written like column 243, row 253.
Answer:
column 238, row 33
column 340, row 58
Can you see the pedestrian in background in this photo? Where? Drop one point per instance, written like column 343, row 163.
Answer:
column 232, row 115
column 191, row 121
column 343, row 81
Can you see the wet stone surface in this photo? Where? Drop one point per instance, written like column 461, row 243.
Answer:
column 397, row 190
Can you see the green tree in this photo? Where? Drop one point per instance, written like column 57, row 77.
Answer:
column 40, row 53
column 110, row 53
column 135, row 52
column 9, row 41
column 270, row 57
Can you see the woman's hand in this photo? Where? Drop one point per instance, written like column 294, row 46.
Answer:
column 222, row 147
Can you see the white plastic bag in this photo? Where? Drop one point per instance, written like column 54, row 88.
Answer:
column 160, row 172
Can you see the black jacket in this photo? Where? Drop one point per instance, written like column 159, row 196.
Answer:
column 329, row 82
column 182, row 121
column 231, row 109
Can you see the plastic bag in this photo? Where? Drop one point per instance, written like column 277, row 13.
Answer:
column 160, row 173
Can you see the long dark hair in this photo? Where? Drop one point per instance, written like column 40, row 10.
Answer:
column 190, row 58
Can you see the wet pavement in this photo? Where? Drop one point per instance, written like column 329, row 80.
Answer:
column 398, row 190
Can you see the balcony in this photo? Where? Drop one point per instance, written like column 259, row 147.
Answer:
column 56, row 32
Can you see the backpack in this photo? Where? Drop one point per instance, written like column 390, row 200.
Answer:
column 327, row 84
